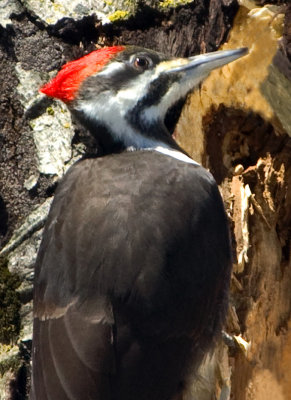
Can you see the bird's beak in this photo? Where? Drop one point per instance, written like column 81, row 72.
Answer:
column 204, row 63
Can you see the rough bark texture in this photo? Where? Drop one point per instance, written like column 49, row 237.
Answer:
column 237, row 124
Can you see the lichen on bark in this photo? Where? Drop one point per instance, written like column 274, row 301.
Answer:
column 9, row 305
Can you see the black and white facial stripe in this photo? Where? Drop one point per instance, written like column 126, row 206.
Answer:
column 120, row 96
column 131, row 95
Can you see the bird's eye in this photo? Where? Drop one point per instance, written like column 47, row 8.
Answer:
column 141, row 63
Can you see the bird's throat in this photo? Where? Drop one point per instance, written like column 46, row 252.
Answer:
column 111, row 140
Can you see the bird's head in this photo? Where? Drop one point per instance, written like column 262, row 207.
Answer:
column 128, row 90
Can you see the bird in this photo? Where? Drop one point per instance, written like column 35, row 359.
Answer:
column 132, row 276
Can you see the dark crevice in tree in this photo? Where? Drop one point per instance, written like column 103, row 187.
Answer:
column 20, row 385
column 242, row 137
column 3, row 219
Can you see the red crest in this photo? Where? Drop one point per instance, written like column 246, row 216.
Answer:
column 66, row 83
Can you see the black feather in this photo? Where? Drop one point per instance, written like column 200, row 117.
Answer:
column 132, row 279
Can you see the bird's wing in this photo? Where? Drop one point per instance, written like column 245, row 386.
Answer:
column 73, row 353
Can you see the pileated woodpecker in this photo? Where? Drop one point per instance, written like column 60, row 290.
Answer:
column 132, row 276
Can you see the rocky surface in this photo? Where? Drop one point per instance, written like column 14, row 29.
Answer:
column 237, row 124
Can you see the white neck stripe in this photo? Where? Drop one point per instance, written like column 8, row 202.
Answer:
column 175, row 154
column 166, row 151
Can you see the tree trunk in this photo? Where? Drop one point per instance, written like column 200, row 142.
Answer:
column 237, row 124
